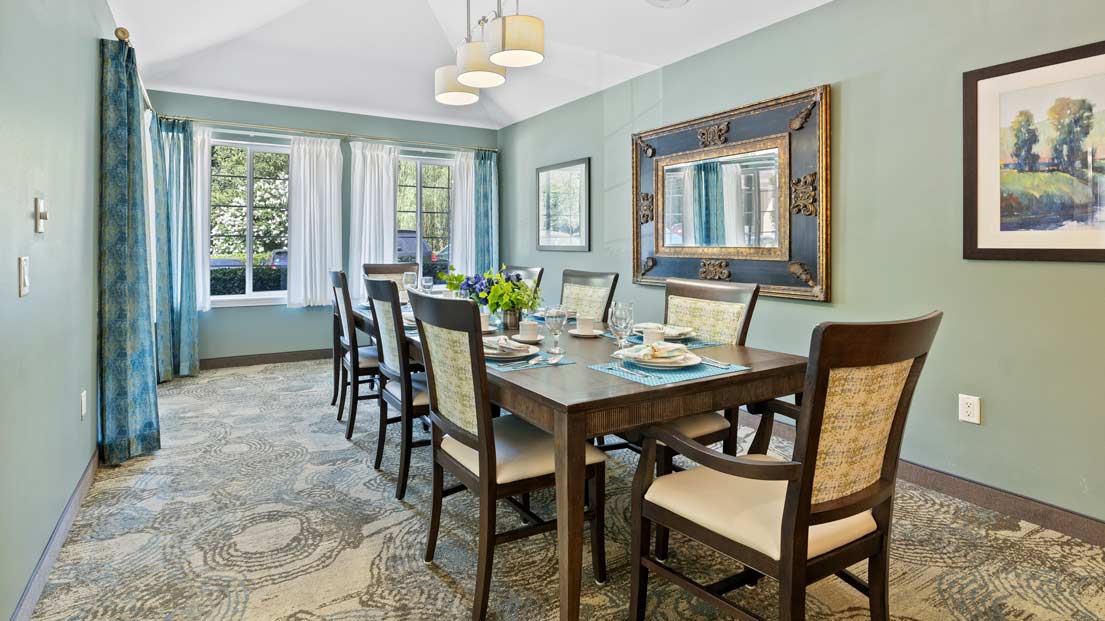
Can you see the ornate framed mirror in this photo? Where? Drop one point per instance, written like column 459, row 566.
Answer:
column 741, row 195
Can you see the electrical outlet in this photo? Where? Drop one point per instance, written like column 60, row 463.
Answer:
column 84, row 403
column 970, row 409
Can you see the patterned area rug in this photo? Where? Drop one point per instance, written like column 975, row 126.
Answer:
column 258, row 508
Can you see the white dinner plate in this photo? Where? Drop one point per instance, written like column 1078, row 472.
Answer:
column 686, row 360
column 585, row 335
column 489, row 352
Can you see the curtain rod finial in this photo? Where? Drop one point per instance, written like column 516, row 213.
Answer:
column 122, row 34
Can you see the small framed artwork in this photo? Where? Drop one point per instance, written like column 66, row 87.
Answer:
column 1034, row 158
column 564, row 206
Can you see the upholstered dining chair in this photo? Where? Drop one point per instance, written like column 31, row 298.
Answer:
column 391, row 271
column 356, row 363
column 495, row 458
column 804, row 519
column 530, row 275
column 588, row 293
column 403, row 386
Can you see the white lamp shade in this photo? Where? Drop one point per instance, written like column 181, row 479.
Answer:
column 516, row 41
column 475, row 69
column 450, row 92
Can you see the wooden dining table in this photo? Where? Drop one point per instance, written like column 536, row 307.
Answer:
column 574, row 402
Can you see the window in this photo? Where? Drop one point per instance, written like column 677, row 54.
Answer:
column 422, row 214
column 249, row 221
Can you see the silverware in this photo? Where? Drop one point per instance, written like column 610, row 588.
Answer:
column 715, row 363
column 625, row 367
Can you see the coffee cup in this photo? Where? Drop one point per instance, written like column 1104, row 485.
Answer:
column 653, row 335
column 585, row 325
column 527, row 330
column 485, row 322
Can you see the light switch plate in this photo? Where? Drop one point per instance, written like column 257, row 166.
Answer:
column 40, row 215
column 24, row 276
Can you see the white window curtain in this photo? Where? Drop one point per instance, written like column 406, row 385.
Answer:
column 732, row 197
column 314, row 219
column 463, row 235
column 201, row 216
column 372, row 210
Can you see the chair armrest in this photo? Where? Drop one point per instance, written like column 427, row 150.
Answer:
column 735, row 466
column 777, row 406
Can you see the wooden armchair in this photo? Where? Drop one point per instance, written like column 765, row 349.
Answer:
column 531, row 275
column 588, row 293
column 808, row 518
column 356, row 362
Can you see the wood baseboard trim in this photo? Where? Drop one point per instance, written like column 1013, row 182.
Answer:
column 253, row 359
column 25, row 607
column 1058, row 519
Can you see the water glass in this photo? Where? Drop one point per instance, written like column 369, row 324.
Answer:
column 621, row 321
column 427, row 284
column 555, row 318
column 409, row 279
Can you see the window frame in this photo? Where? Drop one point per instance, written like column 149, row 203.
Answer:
column 250, row 297
column 419, row 160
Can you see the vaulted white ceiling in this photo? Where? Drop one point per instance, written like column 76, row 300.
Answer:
column 378, row 56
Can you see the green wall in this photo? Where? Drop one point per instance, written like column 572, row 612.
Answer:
column 1026, row 337
column 49, row 132
column 266, row 329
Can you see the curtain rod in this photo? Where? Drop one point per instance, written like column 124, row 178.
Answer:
column 124, row 35
column 314, row 132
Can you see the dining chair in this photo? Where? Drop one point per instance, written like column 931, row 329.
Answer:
column 494, row 458
column 530, row 275
column 588, row 293
column 356, row 363
column 800, row 520
column 403, row 385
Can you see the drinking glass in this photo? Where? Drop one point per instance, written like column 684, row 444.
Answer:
column 621, row 321
column 554, row 321
column 409, row 279
column 427, row 283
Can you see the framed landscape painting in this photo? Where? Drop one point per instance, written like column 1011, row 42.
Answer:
column 564, row 206
column 1034, row 158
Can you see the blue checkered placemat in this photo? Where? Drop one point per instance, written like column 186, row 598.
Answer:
column 505, row 367
column 691, row 343
column 658, row 377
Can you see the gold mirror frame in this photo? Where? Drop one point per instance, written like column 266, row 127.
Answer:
column 777, row 253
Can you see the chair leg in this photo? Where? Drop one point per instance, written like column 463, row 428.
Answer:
column 729, row 445
column 406, row 437
column 435, row 509
column 638, row 576
column 792, row 599
column 486, row 556
column 337, row 369
column 878, row 581
column 355, row 388
column 596, row 489
column 382, row 432
column 341, row 401
column 526, row 504
column 664, row 459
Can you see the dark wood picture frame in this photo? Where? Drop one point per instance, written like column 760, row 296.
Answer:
column 971, row 249
column 584, row 218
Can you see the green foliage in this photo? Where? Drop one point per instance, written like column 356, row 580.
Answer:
column 230, row 196
column 1025, row 138
column 232, row 280
column 451, row 278
column 1041, row 199
column 509, row 294
column 1072, row 120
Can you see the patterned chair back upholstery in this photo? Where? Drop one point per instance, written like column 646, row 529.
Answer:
column 588, row 293
column 344, row 307
column 718, row 311
column 390, row 271
column 859, row 384
column 383, row 295
column 453, row 355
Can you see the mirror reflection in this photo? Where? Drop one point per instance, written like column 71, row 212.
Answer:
column 729, row 201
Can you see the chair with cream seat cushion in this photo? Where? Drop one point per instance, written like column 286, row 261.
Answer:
column 470, row 443
column 588, row 293
column 352, row 372
column 809, row 518
column 404, row 385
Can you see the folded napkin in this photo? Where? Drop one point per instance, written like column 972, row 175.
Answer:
column 502, row 343
column 661, row 351
column 669, row 330
column 408, row 318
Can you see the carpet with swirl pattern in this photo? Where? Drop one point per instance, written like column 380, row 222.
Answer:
column 257, row 507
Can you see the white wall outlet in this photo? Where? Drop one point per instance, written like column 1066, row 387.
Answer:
column 84, row 403
column 24, row 276
column 970, row 409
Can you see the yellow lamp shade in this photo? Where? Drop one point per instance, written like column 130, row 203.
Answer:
column 450, row 92
column 516, row 41
column 475, row 69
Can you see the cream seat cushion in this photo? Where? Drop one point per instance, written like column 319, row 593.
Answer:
column 366, row 357
column 418, row 389
column 521, row 450
column 747, row 511
column 700, row 424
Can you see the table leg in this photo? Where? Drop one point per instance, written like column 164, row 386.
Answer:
column 571, row 479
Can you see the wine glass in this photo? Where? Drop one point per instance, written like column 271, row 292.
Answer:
column 554, row 320
column 621, row 321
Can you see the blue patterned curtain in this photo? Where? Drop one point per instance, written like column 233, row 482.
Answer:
column 709, row 205
column 487, row 210
column 128, row 393
column 177, row 319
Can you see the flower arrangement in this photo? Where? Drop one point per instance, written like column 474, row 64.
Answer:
column 497, row 290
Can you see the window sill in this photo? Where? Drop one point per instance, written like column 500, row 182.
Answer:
column 228, row 301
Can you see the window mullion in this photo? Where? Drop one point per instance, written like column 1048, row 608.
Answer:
column 418, row 218
column 249, row 220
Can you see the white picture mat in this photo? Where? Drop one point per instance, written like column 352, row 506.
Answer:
column 988, row 204
column 578, row 171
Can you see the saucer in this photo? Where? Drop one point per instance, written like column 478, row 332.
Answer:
column 533, row 341
column 583, row 335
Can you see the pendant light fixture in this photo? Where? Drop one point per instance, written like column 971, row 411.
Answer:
column 448, row 91
column 516, row 40
column 474, row 67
